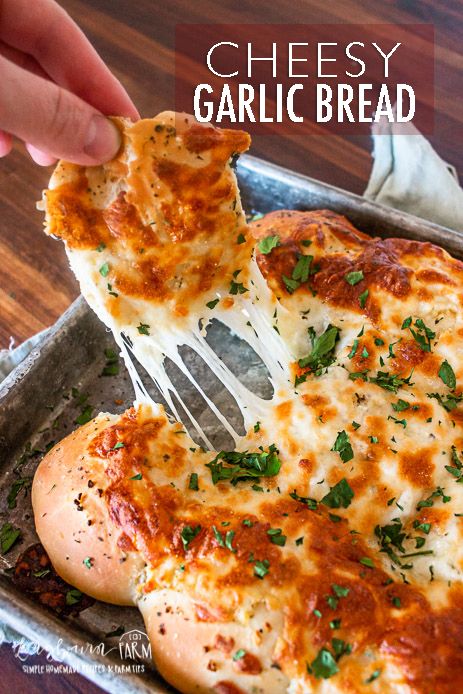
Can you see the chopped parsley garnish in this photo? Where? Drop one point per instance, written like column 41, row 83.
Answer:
column 374, row 676
column 143, row 329
column 363, row 298
column 421, row 333
column 324, row 665
column 104, row 270
column 138, row 476
column 111, row 367
column 379, row 342
column 354, row 277
column 9, row 535
column 85, row 415
column 447, row 375
column 322, row 354
column 290, row 284
column 267, row 245
column 355, row 344
column 402, row 405
column 22, row 483
column 73, row 596
column 224, row 542
column 366, row 561
column 389, row 381
column 88, row 562
column 188, row 534
column 339, row 496
column 448, row 402
column 456, row 469
column 340, row 591
column 100, row 247
column 118, row 445
column 212, row 304
column 355, row 425
column 343, row 446
column 426, row 503
column 237, row 288
column 311, row 503
column 256, row 427
column 402, row 422
column 240, row 653
column 236, row 466
column 276, row 536
column 241, row 239
column 261, row 568
column 300, row 274
column 193, row 482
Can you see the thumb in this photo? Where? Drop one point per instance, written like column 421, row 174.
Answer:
column 54, row 120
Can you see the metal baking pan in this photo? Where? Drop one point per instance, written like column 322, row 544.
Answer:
column 38, row 406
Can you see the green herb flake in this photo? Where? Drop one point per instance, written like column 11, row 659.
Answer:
column 363, row 298
column 261, row 568
column 241, row 239
column 237, row 288
column 421, row 333
column 100, row 247
column 235, row 466
column 111, row 367
column 188, row 534
column 276, row 536
column 447, row 375
column 240, row 653
column 339, row 496
column 104, row 270
column 340, row 591
column 22, row 483
column 143, row 329
column 366, row 561
column 354, row 277
column 323, row 348
column 324, row 666
column 343, row 446
column 374, row 676
column 73, row 596
column 212, row 304
column 88, row 562
column 9, row 535
column 193, row 482
column 267, row 245
column 138, row 476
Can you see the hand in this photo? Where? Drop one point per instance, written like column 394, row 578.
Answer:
column 54, row 87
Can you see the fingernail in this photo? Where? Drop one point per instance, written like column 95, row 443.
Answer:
column 103, row 140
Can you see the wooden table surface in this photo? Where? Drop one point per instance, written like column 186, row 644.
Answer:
column 137, row 39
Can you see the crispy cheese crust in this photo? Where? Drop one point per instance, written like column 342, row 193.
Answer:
column 339, row 571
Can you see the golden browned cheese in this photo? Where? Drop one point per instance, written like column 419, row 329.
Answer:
column 340, row 571
column 172, row 210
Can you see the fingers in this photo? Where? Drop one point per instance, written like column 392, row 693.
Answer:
column 45, row 31
column 52, row 119
column 40, row 158
column 6, row 144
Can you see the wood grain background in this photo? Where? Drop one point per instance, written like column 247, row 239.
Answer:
column 137, row 41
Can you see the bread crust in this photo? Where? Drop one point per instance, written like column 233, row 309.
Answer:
column 80, row 539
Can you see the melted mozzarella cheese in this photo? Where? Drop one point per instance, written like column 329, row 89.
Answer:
column 149, row 282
